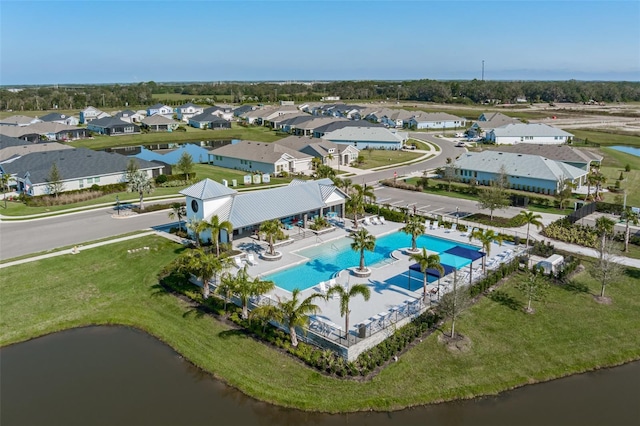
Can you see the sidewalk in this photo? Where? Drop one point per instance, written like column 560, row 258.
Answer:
column 426, row 155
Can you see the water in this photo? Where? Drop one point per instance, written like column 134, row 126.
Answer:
column 120, row 376
column 329, row 258
column 627, row 150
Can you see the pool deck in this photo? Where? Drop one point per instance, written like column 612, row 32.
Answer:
column 384, row 295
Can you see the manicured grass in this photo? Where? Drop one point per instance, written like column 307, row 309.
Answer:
column 381, row 157
column 605, row 139
column 614, row 162
column 569, row 334
column 261, row 134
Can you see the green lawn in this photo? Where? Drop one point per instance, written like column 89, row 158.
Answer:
column 605, row 139
column 570, row 333
column 380, row 157
column 182, row 97
column 614, row 162
column 202, row 171
column 261, row 134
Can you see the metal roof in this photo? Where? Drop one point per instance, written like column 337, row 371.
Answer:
column 207, row 189
column 522, row 129
column 564, row 153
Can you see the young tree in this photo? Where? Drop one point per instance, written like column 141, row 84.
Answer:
column 185, row 164
column 415, row 228
column 454, row 303
column 629, row 216
column 606, row 270
column 178, row 211
column 363, row 240
column 215, row 226
column 493, row 198
column 4, row 181
column 141, row 184
column 54, row 181
column 604, row 227
column 565, row 191
column 450, row 174
column 273, row 231
column 132, row 168
column 534, row 287
column 486, row 237
column 324, row 171
column 345, row 296
column 530, row 218
column 427, row 261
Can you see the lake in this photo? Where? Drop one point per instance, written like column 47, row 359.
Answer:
column 122, row 376
column 627, row 149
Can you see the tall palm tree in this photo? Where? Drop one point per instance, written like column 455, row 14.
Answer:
column 244, row 287
column 345, row 297
column 591, row 181
column 363, row 240
column 633, row 217
column 530, row 218
column 415, row 228
column 427, row 261
column 273, row 231
column 215, row 226
column 203, row 265
column 604, row 227
column 599, row 180
column 486, row 237
column 197, row 226
column 291, row 313
column 178, row 211
column 357, row 201
column 225, row 287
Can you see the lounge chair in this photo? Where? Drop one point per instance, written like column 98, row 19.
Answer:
column 453, row 228
column 381, row 220
column 238, row 262
column 374, row 220
column 330, row 284
column 366, row 221
column 435, row 225
column 251, row 260
column 322, row 287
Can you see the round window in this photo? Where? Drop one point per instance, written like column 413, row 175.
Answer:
column 194, row 206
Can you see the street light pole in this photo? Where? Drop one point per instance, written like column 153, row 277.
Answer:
column 118, row 204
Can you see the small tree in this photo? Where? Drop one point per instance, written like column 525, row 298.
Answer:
column 273, row 231
column 132, row 168
column 530, row 218
column 535, row 287
column 245, row 288
column 493, row 198
column 565, row 191
column 629, row 216
column 606, row 270
column 197, row 226
column 185, row 164
column 427, row 261
column 4, row 181
column 363, row 240
column 450, row 174
column 486, row 237
column 345, row 296
column 415, row 228
column 141, row 184
column 454, row 303
column 178, row 211
column 604, row 227
column 201, row 264
column 216, row 226
column 54, row 181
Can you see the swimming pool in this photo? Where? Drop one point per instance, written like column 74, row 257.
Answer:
column 325, row 260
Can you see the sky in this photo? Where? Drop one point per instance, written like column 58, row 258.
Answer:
column 111, row 41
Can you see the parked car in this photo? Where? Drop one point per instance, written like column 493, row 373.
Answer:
column 460, row 145
column 459, row 135
column 411, row 147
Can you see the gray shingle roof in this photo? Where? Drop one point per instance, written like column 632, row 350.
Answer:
column 54, row 116
column 16, row 120
column 522, row 129
column 264, row 152
column 563, row 153
column 73, row 163
column 40, row 128
column 342, row 123
column 522, row 165
column 207, row 189
column 368, row 134
column 157, row 120
column 428, row 117
column 12, row 147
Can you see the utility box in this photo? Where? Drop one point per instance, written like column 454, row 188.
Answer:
column 552, row 264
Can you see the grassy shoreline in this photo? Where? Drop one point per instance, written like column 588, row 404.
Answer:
column 567, row 335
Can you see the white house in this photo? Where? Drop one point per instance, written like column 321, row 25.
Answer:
column 188, row 110
column 161, row 109
column 91, row 113
column 527, row 133
column 261, row 157
column 368, row 137
column 19, row 120
column 436, row 120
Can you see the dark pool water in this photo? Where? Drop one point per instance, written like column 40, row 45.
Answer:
column 121, row 376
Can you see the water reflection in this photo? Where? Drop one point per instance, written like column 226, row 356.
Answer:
column 116, row 375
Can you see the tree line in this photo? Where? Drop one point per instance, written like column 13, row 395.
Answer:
column 459, row 91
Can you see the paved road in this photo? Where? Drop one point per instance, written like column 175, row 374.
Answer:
column 25, row 237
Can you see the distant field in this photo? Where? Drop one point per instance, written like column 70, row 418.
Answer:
column 604, row 138
column 614, row 163
column 181, row 97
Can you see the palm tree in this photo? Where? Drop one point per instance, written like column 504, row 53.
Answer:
column 363, row 240
column 633, row 217
column 225, row 287
column 358, row 198
column 203, row 265
column 486, row 237
column 141, row 184
column 292, row 312
column 591, row 181
column 415, row 228
column 599, row 179
column 245, row 288
column 345, row 297
column 178, row 211
column 197, row 226
column 216, row 226
column 604, row 227
column 273, row 231
column 530, row 218
column 4, row 182
column 427, row 261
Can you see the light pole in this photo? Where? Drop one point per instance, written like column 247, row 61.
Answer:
column 118, row 204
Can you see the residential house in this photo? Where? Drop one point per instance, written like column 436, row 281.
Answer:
column 279, row 123
column 368, row 137
column 79, row 168
column 263, row 116
column 527, row 133
column 19, row 120
column 237, row 112
column 337, row 123
column 113, row 127
column 159, row 123
column 161, row 109
column 436, row 120
column 90, row 113
column 397, row 118
column 130, row 116
column 188, row 110
column 209, row 119
column 330, row 153
column 45, row 131
column 12, row 148
column 246, row 211
column 582, row 159
column 223, row 111
column 351, row 112
column 55, row 117
column 533, row 173
column 261, row 157
column 302, row 127
column 489, row 121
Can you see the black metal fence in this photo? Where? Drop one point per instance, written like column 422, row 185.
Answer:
column 583, row 211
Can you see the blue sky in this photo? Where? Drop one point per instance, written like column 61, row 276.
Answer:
column 127, row 41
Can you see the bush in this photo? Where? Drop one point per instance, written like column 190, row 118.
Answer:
column 627, row 168
column 160, row 179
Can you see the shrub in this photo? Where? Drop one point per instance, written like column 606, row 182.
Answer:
column 160, row 179
column 627, row 168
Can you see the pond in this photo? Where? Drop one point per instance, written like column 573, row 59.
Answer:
column 627, row 149
column 118, row 375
